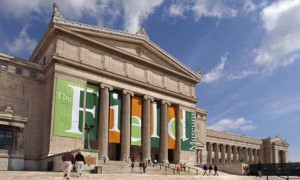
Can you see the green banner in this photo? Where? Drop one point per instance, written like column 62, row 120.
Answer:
column 91, row 110
column 155, row 124
column 115, row 100
column 188, row 131
column 68, row 105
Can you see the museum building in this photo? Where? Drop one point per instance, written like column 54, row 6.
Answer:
column 114, row 93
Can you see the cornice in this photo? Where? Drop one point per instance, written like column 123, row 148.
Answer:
column 21, row 62
column 232, row 137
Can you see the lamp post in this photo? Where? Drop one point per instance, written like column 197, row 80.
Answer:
column 88, row 128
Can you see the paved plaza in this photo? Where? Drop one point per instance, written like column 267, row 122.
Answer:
column 10, row 175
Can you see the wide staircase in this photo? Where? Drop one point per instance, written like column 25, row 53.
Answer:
column 120, row 170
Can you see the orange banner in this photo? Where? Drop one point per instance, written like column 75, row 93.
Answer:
column 171, row 127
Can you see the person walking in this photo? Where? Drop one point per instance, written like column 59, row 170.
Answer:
column 132, row 166
column 124, row 157
column 68, row 161
column 141, row 165
column 104, row 159
column 178, row 169
column 149, row 160
column 216, row 170
column 79, row 163
column 205, row 169
column 209, row 170
column 132, row 158
column 259, row 169
column 144, row 167
column 184, row 166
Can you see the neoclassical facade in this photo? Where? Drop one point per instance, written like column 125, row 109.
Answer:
column 225, row 148
column 116, row 93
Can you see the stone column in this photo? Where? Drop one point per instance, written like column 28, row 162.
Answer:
column 146, row 136
column 177, row 135
column 255, row 156
column 235, row 154
column 242, row 154
column 223, row 153
column 284, row 156
column 209, row 153
column 164, row 131
column 250, row 155
column 261, row 155
column 229, row 153
column 216, row 145
column 125, row 129
column 103, row 119
column 246, row 155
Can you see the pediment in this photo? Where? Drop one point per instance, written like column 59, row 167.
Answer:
column 136, row 47
column 279, row 141
column 136, row 50
column 10, row 118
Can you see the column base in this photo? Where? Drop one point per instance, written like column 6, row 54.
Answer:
column 165, row 161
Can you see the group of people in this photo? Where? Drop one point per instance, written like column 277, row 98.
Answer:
column 210, row 169
column 68, row 162
column 180, row 167
column 142, row 165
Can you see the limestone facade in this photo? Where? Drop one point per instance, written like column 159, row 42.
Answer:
column 111, row 61
column 223, row 148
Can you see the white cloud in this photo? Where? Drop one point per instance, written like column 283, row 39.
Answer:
column 213, row 9
column 217, row 72
column 280, row 45
column 176, row 10
column 232, row 124
column 104, row 12
column 21, row 8
column 249, row 6
column 136, row 11
column 202, row 8
column 281, row 106
column 22, row 43
column 242, row 74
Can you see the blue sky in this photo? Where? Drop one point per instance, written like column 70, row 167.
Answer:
column 248, row 51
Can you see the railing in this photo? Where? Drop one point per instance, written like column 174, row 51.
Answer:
column 276, row 169
column 167, row 166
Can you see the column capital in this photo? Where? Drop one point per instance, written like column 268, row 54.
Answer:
column 125, row 91
column 166, row 102
column 148, row 97
column 102, row 85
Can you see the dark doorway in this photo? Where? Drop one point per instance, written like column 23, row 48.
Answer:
column 118, row 152
column 170, row 155
column 156, row 157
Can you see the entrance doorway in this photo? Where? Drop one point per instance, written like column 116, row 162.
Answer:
column 171, row 155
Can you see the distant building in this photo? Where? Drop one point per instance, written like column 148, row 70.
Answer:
column 225, row 148
column 88, row 87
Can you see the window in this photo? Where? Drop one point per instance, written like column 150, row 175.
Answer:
column 6, row 139
column 44, row 60
column 19, row 71
column 3, row 67
column 33, row 74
